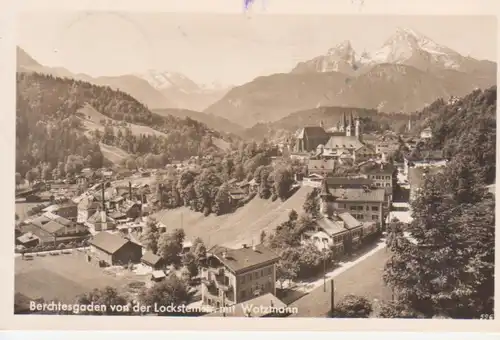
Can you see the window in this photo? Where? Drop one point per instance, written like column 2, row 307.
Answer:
column 269, row 271
column 387, row 184
column 378, row 184
column 243, row 293
column 374, row 208
column 262, row 272
column 352, row 207
column 243, row 279
column 374, row 217
column 256, row 275
column 249, row 277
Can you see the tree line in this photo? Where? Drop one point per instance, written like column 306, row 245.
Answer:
column 206, row 187
column 446, row 268
column 49, row 129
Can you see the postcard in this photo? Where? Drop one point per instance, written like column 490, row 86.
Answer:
column 314, row 165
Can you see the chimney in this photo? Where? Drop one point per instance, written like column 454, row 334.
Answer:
column 103, row 197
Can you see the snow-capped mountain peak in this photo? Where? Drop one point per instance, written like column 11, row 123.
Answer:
column 167, row 79
column 343, row 48
column 408, row 46
column 341, row 58
column 405, row 47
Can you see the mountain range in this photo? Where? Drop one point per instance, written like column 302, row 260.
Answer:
column 155, row 89
column 408, row 72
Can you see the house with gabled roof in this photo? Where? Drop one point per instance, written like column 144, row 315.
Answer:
column 153, row 261
column 424, row 158
column 232, row 276
column 100, row 221
column 109, row 249
column 337, row 228
column 86, row 208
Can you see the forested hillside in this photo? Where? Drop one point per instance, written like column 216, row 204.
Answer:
column 48, row 128
column 466, row 126
column 447, row 268
column 330, row 116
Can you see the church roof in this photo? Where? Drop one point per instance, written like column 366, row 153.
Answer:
column 347, row 142
column 312, row 131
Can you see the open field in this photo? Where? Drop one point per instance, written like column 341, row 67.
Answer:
column 93, row 119
column 63, row 277
column 232, row 230
column 363, row 279
column 113, row 154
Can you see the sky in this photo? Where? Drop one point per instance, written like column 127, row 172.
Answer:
column 229, row 49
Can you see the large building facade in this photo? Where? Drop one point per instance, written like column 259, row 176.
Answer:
column 237, row 275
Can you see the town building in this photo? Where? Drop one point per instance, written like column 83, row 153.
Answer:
column 86, row 208
column 236, row 275
column 337, row 229
column 152, row 261
column 424, row 158
column 381, row 174
column 348, row 182
column 28, row 240
column 68, row 210
column 323, row 167
column 61, row 227
column 100, row 221
column 364, row 204
column 309, row 137
column 385, row 149
column 111, row 249
column 426, row 133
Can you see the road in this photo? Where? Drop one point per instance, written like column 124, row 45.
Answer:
column 363, row 279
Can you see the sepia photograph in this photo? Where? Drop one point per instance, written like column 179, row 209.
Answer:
column 256, row 166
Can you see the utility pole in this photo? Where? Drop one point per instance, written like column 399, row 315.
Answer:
column 324, row 273
column 223, row 303
column 332, row 297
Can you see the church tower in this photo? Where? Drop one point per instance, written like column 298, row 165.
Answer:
column 349, row 131
column 326, row 198
column 357, row 129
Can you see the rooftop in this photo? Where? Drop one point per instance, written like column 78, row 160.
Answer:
column 349, row 220
column 315, row 164
column 150, row 258
column 330, row 226
column 348, row 182
column 239, row 260
column 347, row 142
column 52, row 227
column 27, row 237
column 108, row 242
column 312, row 131
column 359, row 195
column 425, row 155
